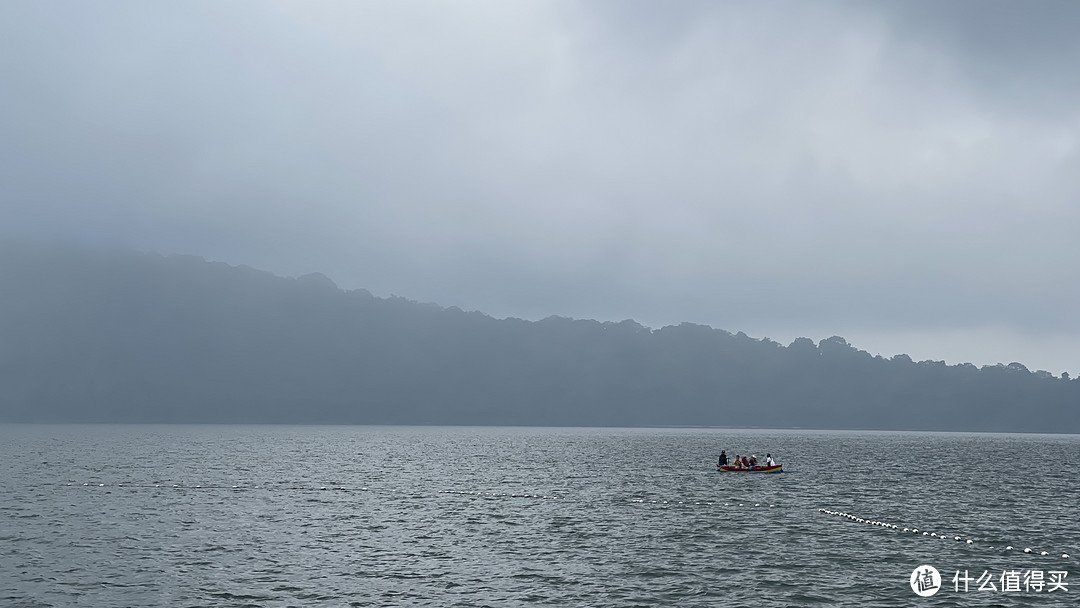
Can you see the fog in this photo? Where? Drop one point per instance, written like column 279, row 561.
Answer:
column 905, row 175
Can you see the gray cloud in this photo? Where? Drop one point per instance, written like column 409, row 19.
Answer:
column 877, row 170
column 1021, row 56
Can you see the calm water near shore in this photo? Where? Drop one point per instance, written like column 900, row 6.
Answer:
column 121, row 516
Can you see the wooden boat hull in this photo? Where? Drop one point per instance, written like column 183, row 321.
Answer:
column 758, row 469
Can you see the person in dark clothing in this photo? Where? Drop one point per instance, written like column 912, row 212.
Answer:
column 723, row 459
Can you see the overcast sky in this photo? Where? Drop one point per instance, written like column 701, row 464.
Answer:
column 905, row 175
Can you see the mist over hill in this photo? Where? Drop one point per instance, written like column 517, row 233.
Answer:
column 125, row 337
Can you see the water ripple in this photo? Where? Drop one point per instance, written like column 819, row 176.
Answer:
column 367, row 516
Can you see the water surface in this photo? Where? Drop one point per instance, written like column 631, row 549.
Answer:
column 120, row 516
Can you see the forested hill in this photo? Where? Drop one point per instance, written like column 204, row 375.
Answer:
column 121, row 337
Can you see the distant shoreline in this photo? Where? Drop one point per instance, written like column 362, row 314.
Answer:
column 534, row 427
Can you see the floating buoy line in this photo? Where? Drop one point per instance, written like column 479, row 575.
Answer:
column 310, row 488
column 708, row 503
column 499, row 494
column 731, row 502
column 926, row 533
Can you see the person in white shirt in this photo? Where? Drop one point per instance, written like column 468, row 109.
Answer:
column 769, row 462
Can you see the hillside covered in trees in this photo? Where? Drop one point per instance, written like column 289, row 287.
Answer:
column 124, row 337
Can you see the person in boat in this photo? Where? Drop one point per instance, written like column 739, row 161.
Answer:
column 735, row 463
column 753, row 461
column 769, row 462
column 745, row 463
column 723, row 459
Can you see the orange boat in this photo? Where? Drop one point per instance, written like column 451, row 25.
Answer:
column 758, row 469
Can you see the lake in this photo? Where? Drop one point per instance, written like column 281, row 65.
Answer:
column 123, row 516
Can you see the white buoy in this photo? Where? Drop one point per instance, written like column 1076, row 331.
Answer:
column 970, row 542
column 1009, row 548
column 1044, row 553
column 1027, row 549
column 1065, row 555
column 957, row 538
